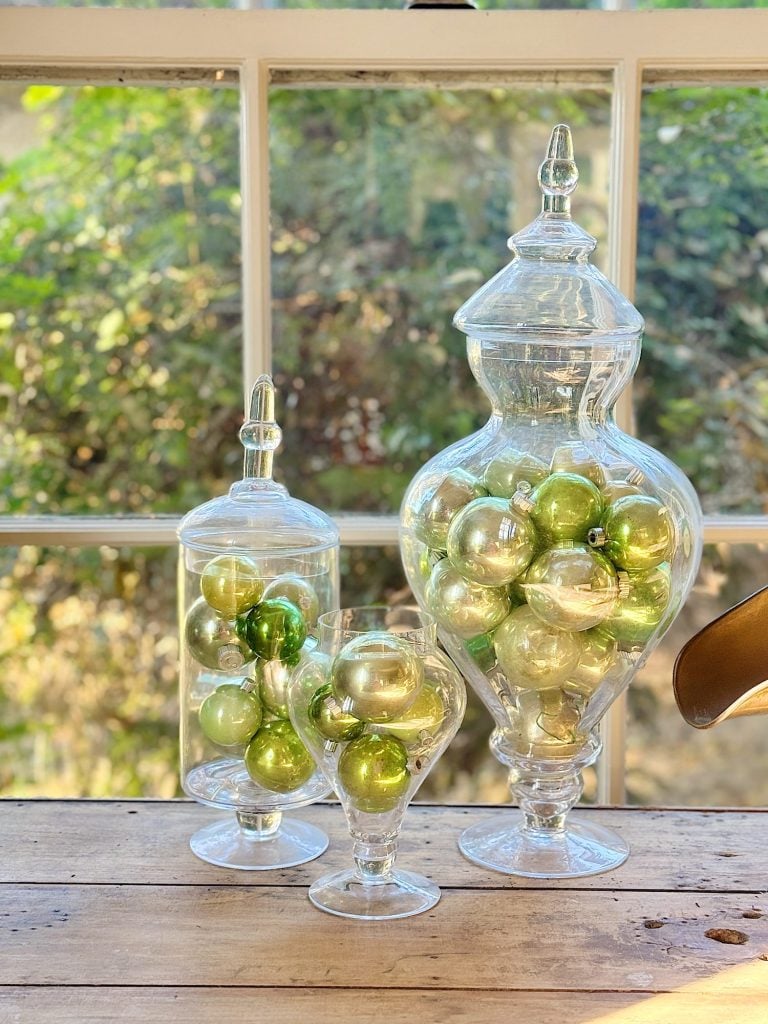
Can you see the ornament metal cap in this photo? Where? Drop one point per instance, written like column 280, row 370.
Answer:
column 597, row 537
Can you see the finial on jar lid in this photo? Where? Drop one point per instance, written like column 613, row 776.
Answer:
column 558, row 174
column 260, row 435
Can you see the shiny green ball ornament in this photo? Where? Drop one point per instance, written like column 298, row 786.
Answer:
column 273, row 678
column 578, row 459
column 566, row 506
column 466, row 608
column 421, row 721
column 481, row 651
column 534, row 655
column 373, row 771
column 638, row 614
column 506, row 471
column 231, row 584
column 376, row 677
column 213, row 640
column 571, row 587
column 598, row 656
column 490, row 542
column 328, row 718
column 274, row 629
column 638, row 533
column 277, row 759
column 442, row 503
column 616, row 489
column 298, row 591
column 230, row 715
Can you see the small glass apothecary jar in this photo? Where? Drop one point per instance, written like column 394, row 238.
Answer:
column 257, row 569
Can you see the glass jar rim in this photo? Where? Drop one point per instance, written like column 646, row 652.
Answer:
column 408, row 622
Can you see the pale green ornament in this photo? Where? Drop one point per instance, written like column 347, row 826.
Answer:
column 441, row 504
column 277, row 759
column 273, row 679
column 574, row 457
column 230, row 715
column 331, row 722
column 213, row 640
column 636, row 533
column 231, row 584
column 373, row 772
column 490, row 542
column 298, row 591
column 638, row 614
column 532, row 654
column 465, row 608
column 421, row 721
column 598, row 656
column 507, row 470
column 566, row 506
column 377, row 676
column 616, row 489
column 571, row 587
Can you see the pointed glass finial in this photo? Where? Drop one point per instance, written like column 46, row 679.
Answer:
column 558, row 175
column 260, row 435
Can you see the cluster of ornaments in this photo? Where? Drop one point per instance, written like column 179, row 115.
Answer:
column 547, row 570
column 376, row 716
column 253, row 630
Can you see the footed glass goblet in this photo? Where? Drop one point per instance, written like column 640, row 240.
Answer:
column 376, row 704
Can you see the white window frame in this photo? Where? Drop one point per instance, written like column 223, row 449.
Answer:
column 667, row 46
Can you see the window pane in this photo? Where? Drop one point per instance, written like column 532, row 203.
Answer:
column 390, row 208
column 702, row 388
column 668, row 762
column 88, row 701
column 120, row 326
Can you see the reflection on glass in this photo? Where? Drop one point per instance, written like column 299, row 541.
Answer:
column 390, row 207
column 88, row 689
column 119, row 297
column 701, row 389
column 668, row 762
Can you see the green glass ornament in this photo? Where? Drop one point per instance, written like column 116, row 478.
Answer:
column 298, row 591
column 230, row 715
column 481, row 650
column 231, row 584
column 273, row 678
column 616, row 489
column 507, row 470
column 532, row 654
column 638, row 614
column 566, row 506
column 598, row 656
column 274, row 629
column 421, row 721
column 636, row 533
column 442, row 503
column 465, row 608
column 213, row 640
column 330, row 721
column 373, row 771
column 571, row 587
column 277, row 759
column 576, row 458
column 490, row 542
column 376, row 677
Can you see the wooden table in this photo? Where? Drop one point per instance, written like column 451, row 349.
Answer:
column 105, row 915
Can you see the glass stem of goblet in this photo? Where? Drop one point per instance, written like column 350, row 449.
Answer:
column 545, row 802
column 374, row 859
column 258, row 825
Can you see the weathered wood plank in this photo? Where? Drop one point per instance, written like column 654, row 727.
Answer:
column 138, row 841
column 368, row 1006
column 232, row 936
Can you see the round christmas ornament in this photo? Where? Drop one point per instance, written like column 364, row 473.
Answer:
column 409, row 700
column 439, row 507
column 490, row 542
column 257, row 566
column 549, row 623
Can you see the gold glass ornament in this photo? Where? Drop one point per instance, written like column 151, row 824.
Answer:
column 299, row 592
column 376, row 677
column 504, row 474
column 213, row 640
column 532, row 654
column 439, row 507
column 231, row 584
column 571, row 587
column 466, row 608
column 421, row 721
column 490, row 542
column 616, row 489
column 574, row 457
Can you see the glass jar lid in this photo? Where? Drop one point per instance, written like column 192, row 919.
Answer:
column 258, row 514
column 550, row 287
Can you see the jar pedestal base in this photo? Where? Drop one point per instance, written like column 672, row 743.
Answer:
column 227, row 845
column 400, row 894
column 502, row 844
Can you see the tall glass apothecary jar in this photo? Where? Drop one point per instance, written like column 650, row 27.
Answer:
column 257, row 568
column 553, row 549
